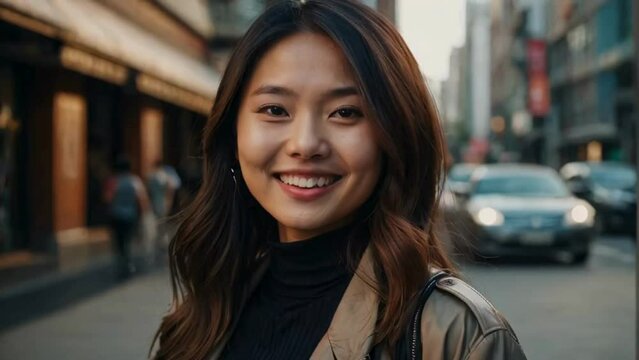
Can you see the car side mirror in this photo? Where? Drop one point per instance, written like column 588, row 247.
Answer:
column 462, row 194
column 578, row 186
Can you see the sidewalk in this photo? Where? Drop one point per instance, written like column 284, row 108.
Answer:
column 115, row 324
column 32, row 286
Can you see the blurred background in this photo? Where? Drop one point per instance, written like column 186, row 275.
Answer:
column 539, row 103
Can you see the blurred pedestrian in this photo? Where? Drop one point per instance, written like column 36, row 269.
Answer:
column 312, row 233
column 127, row 199
column 163, row 184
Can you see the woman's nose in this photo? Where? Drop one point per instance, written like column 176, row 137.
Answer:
column 307, row 139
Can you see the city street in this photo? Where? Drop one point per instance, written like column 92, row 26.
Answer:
column 558, row 312
column 569, row 312
column 516, row 121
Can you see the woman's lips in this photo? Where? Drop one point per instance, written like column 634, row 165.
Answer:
column 308, row 187
column 307, row 180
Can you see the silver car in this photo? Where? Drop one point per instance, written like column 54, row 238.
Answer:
column 525, row 210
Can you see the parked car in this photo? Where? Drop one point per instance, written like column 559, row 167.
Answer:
column 525, row 210
column 610, row 188
column 458, row 178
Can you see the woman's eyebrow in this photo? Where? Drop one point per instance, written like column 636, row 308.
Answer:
column 284, row 91
column 273, row 90
column 341, row 92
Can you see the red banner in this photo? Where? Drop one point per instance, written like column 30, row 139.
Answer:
column 538, row 84
column 538, row 95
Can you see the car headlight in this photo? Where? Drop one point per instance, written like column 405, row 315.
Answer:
column 580, row 215
column 488, row 217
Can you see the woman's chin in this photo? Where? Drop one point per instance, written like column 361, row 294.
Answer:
column 301, row 229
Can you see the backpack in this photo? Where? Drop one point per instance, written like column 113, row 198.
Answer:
column 124, row 203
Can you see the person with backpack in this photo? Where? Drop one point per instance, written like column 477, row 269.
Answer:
column 127, row 202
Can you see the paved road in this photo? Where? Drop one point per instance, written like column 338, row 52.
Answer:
column 569, row 312
column 558, row 312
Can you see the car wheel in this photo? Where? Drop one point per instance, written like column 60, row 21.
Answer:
column 579, row 258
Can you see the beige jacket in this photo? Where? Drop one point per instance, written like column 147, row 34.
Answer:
column 457, row 323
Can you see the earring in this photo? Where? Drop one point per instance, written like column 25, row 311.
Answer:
column 233, row 175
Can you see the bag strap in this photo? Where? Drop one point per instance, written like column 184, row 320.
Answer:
column 409, row 345
column 411, row 342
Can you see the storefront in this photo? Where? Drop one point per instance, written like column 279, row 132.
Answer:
column 75, row 94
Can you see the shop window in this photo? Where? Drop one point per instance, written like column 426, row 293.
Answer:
column 625, row 19
column 593, row 151
column 14, row 219
column 606, row 91
column 102, row 119
column 8, row 136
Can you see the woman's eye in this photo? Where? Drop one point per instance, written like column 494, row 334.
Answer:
column 348, row 113
column 273, row 110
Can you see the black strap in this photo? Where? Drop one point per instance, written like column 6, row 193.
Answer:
column 410, row 345
column 412, row 339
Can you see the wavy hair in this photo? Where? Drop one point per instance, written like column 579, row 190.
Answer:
column 221, row 236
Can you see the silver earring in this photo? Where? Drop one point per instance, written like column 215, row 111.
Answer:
column 233, row 175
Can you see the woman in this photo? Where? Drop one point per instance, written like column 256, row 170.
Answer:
column 312, row 232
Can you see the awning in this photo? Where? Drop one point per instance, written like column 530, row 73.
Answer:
column 90, row 25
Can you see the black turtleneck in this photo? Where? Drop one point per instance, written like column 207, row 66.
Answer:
column 291, row 309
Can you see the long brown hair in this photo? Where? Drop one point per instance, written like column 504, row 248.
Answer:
column 222, row 233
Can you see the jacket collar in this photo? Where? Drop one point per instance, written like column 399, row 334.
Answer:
column 350, row 334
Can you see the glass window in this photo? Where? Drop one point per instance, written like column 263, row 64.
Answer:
column 526, row 185
column 614, row 177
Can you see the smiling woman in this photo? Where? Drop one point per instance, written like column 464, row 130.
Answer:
column 307, row 152
column 312, row 234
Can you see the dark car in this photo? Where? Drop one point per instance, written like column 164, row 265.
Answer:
column 610, row 188
column 525, row 210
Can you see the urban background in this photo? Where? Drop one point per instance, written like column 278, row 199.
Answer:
column 83, row 82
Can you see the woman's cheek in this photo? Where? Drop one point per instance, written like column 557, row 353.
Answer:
column 257, row 145
column 362, row 150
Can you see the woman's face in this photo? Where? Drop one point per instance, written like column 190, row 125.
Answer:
column 306, row 147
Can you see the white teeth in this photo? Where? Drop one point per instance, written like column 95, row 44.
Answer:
column 306, row 183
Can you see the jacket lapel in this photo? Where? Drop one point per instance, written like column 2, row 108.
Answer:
column 350, row 334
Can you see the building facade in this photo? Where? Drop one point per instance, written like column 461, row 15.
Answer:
column 520, row 97
column 473, row 71
column 591, row 57
column 82, row 82
column 453, row 104
column 233, row 17
column 466, row 94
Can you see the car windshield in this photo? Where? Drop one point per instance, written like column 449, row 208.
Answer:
column 460, row 173
column 614, row 177
column 526, row 185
